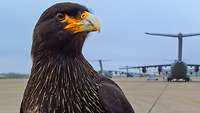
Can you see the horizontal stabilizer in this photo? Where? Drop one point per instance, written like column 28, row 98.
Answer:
column 189, row 35
column 173, row 35
column 158, row 34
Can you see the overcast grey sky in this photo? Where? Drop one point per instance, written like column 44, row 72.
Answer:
column 122, row 39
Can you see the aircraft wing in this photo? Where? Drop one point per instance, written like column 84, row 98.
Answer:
column 189, row 35
column 160, row 65
column 149, row 66
column 193, row 65
column 125, row 67
column 158, row 34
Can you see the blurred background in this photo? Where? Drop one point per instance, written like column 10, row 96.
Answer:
column 121, row 41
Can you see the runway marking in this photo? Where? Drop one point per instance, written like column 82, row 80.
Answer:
column 156, row 101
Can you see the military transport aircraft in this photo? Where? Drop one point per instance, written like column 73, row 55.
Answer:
column 178, row 68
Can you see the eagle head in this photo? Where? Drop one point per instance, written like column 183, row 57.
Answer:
column 62, row 30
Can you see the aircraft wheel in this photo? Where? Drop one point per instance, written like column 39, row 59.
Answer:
column 169, row 79
column 187, row 79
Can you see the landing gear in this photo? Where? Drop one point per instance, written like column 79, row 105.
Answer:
column 169, row 79
column 187, row 79
column 177, row 80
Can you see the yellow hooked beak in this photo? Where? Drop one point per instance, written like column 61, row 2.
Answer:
column 87, row 23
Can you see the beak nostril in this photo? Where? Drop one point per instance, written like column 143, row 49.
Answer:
column 91, row 23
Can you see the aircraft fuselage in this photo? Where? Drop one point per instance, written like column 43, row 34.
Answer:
column 178, row 71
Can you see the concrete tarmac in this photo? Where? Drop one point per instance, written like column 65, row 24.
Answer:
column 174, row 97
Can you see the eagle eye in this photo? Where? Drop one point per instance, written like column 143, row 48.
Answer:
column 60, row 16
column 84, row 15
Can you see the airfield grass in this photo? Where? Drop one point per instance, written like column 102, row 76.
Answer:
column 177, row 97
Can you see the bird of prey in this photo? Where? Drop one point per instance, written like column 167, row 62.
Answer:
column 62, row 80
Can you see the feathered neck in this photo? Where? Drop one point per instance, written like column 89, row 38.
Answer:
column 69, row 83
column 70, row 68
